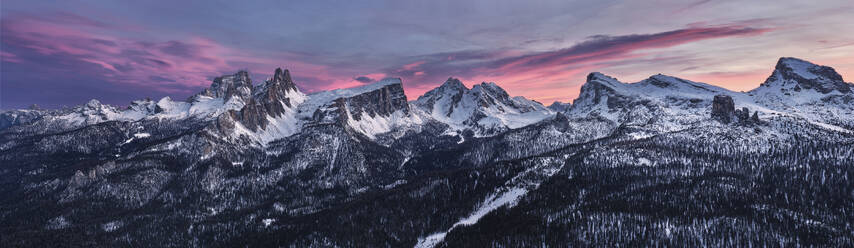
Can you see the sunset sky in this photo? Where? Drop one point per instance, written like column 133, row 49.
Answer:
column 67, row 52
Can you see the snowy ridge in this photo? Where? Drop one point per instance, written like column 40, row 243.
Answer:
column 206, row 105
column 334, row 106
column 660, row 103
column 318, row 100
column 665, row 103
column 278, row 165
column 485, row 108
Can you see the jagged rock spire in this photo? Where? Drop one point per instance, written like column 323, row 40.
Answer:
column 283, row 77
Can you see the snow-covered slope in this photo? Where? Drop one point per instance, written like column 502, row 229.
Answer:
column 485, row 109
column 805, row 89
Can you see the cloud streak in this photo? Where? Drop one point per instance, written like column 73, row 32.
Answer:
column 537, row 74
column 96, row 53
column 102, row 52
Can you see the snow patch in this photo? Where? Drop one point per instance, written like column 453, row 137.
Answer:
column 268, row 222
column 111, row 226
column 395, row 184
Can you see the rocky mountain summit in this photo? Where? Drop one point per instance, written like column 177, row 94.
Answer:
column 660, row 162
column 485, row 109
column 796, row 75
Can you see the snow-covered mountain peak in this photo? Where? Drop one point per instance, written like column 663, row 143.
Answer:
column 94, row 104
column 453, row 83
column 490, row 90
column 806, row 69
column 486, row 108
column 602, row 78
column 665, row 81
column 451, row 88
column 794, row 75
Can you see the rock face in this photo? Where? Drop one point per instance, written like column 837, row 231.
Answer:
column 723, row 108
column 383, row 101
column 603, row 91
column 272, row 99
column 237, row 86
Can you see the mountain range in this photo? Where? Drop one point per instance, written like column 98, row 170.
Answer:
column 660, row 162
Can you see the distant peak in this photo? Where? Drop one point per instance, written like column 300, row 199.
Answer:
column 594, row 76
column 791, row 61
column 453, row 83
column 94, row 103
column 282, row 75
column 490, row 87
column 665, row 81
column 800, row 74
column 384, row 83
column 226, row 86
column 490, row 84
column 660, row 76
column 240, row 78
column 388, row 81
column 794, row 67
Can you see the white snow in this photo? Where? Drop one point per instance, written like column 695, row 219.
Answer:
column 508, row 198
column 499, row 115
column 111, row 226
column 292, row 121
column 493, row 202
column 268, row 222
column 371, row 126
column 431, row 241
column 507, row 195
column 395, row 184
column 284, row 125
column 800, row 67
column 831, row 127
column 683, row 103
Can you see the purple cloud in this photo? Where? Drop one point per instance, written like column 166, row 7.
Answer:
column 516, row 70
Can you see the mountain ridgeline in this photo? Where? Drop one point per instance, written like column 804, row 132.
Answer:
column 660, row 162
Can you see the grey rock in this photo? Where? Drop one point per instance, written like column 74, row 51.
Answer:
column 723, row 108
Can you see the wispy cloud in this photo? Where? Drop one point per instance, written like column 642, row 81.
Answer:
column 538, row 73
column 66, row 44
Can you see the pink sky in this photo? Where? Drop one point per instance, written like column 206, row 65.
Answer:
column 106, row 51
